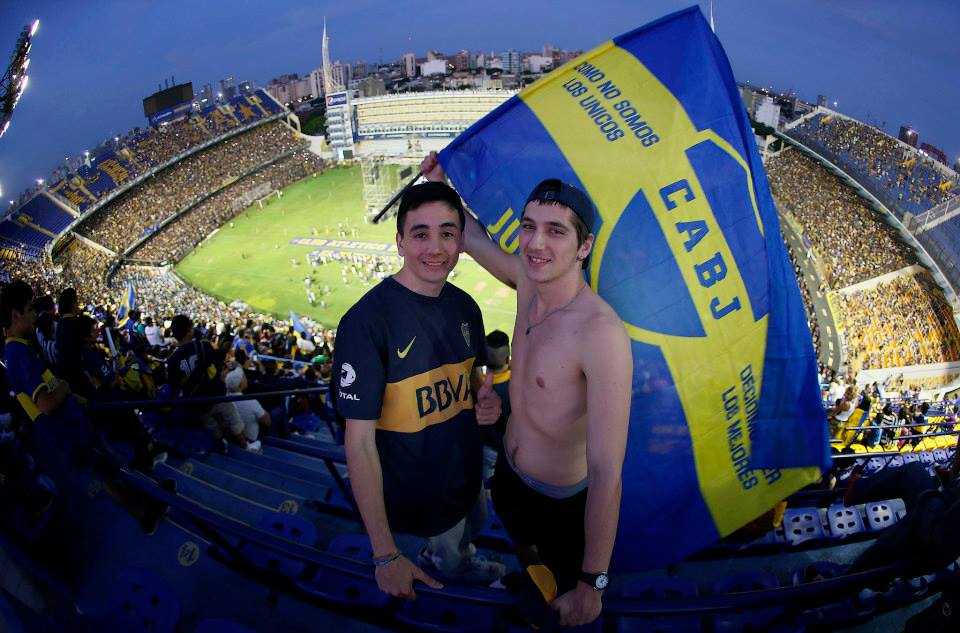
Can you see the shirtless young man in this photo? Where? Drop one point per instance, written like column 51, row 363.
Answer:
column 557, row 486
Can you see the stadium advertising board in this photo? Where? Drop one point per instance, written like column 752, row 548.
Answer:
column 169, row 114
column 336, row 99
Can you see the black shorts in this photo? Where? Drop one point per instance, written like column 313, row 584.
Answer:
column 554, row 526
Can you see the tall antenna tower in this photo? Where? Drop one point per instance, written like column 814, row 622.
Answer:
column 329, row 85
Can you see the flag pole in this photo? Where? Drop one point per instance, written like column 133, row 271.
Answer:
column 396, row 196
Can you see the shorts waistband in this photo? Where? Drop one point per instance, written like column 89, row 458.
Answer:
column 548, row 490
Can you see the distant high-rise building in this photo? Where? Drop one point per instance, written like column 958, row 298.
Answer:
column 206, row 94
column 768, row 113
column 512, row 62
column 749, row 99
column 341, row 74
column 246, row 87
column 461, row 61
column 371, row 86
column 361, row 69
column 316, row 82
column 548, row 50
column 822, row 101
column 227, row 89
column 538, row 63
column 908, row 135
column 409, row 65
column 433, row 67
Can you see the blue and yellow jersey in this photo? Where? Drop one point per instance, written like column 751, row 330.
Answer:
column 27, row 374
column 404, row 360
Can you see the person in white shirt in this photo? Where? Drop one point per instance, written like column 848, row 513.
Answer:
column 253, row 415
column 153, row 332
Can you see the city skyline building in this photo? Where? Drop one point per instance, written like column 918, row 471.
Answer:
column 512, row 62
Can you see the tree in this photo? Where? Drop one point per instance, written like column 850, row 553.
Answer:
column 315, row 123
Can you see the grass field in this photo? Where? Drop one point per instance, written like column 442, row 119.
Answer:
column 250, row 258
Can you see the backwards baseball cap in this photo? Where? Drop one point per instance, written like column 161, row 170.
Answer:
column 555, row 190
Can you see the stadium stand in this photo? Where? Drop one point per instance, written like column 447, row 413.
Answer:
column 139, row 151
column 138, row 212
column 281, row 520
column 44, row 213
column 904, row 322
column 192, row 226
column 426, row 114
column 277, row 526
column 905, row 180
column 850, row 240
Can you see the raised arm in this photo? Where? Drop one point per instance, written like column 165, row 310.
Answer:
column 608, row 368
column 366, row 479
column 500, row 264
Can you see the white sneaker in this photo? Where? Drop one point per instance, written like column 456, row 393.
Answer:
column 254, row 447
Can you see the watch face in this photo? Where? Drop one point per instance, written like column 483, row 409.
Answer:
column 602, row 581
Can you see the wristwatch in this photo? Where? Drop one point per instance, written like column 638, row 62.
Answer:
column 598, row 582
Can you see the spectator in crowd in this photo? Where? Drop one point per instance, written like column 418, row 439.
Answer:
column 153, row 333
column 193, row 370
column 840, row 413
column 498, row 362
column 253, row 415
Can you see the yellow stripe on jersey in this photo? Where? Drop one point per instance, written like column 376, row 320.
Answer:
column 433, row 397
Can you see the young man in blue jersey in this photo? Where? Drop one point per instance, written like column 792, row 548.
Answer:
column 406, row 379
column 557, row 485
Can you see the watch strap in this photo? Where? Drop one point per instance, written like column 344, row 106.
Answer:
column 598, row 582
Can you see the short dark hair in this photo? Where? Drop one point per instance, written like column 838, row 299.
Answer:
column 67, row 301
column 14, row 296
column 423, row 193
column 43, row 303
column 498, row 349
column 84, row 322
column 558, row 193
column 180, row 326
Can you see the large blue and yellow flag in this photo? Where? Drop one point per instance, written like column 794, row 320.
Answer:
column 726, row 417
column 127, row 303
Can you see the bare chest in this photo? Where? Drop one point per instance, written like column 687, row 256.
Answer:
column 547, row 371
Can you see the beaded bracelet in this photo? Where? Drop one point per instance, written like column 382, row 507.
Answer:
column 386, row 560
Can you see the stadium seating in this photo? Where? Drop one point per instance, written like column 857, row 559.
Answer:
column 903, row 179
column 43, row 212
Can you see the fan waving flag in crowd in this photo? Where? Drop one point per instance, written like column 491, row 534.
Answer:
column 726, row 418
column 127, row 304
column 297, row 324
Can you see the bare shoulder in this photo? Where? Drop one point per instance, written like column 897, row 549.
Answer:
column 605, row 327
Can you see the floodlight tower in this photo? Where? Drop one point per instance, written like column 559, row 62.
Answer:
column 15, row 78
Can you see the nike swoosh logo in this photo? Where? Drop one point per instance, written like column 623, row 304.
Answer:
column 403, row 354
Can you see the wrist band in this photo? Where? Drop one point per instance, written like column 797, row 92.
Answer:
column 386, row 560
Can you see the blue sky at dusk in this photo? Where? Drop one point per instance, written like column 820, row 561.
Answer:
column 886, row 62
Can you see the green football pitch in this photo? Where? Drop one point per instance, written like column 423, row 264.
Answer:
column 249, row 258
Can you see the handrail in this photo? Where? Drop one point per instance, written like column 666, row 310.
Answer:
column 898, row 426
column 285, row 360
column 906, row 437
column 199, row 400
column 831, row 589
